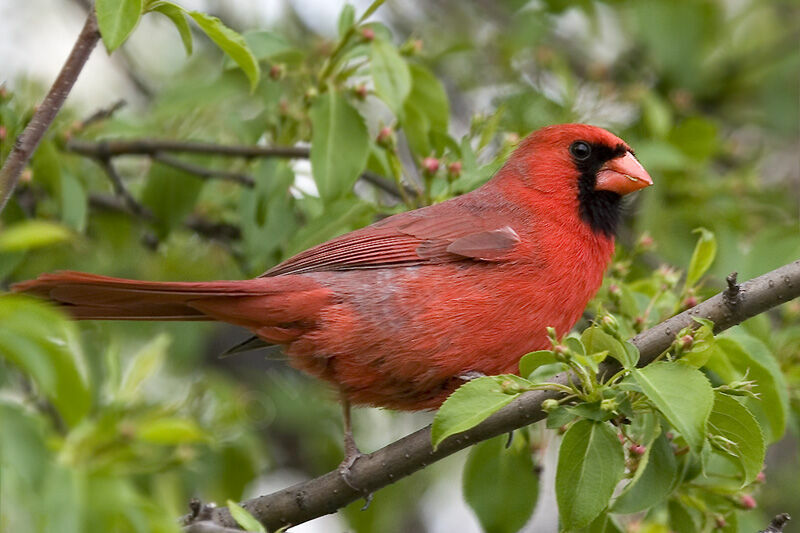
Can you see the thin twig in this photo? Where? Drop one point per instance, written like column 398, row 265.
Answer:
column 101, row 114
column 122, row 191
column 219, row 231
column 203, row 172
column 153, row 147
column 29, row 139
column 326, row 494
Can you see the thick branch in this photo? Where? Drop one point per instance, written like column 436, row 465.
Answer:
column 330, row 492
column 156, row 148
column 29, row 139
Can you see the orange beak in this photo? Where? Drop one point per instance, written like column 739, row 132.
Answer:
column 623, row 175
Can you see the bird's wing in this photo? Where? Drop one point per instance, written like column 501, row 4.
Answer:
column 424, row 236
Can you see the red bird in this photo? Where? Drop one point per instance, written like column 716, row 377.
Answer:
column 399, row 313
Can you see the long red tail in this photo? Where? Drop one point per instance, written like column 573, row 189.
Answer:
column 251, row 303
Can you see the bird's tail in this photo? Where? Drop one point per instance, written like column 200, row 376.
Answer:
column 252, row 303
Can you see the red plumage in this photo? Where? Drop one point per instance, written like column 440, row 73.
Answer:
column 393, row 314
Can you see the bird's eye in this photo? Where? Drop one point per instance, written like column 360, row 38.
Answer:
column 580, row 150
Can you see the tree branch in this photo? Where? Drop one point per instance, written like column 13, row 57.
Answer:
column 326, row 494
column 777, row 524
column 203, row 172
column 29, row 139
column 156, row 148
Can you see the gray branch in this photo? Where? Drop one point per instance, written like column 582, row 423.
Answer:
column 328, row 493
column 29, row 139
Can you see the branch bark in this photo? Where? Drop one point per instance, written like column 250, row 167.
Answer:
column 328, row 493
column 156, row 148
column 29, row 139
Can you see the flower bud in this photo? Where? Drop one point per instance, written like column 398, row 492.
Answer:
column 454, row 170
column 645, row 242
column 311, row 95
column 637, row 449
column 276, row 72
column 361, row 91
column 386, row 137
column 609, row 324
column 686, row 342
column 429, row 166
column 689, row 302
column 609, row 405
column 720, row 522
column 549, row 404
column 761, row 477
column 746, row 501
column 561, row 352
column 3, row 133
column 368, row 34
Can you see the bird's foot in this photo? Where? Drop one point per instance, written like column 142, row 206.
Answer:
column 351, row 455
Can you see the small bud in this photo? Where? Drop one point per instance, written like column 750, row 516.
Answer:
column 621, row 438
column 549, row 404
column 561, row 352
column 609, row 324
column 609, row 405
column 686, row 342
column 3, row 133
column 311, row 95
column 276, row 71
column 689, row 302
column 747, row 501
column 614, row 290
column 645, row 242
column 411, row 47
column 720, row 522
column 368, row 34
column 361, row 91
column 429, row 166
column 454, row 170
column 637, row 449
column 3, row 92
column 283, row 107
column 386, row 137
column 26, row 176
column 638, row 323
column 761, row 477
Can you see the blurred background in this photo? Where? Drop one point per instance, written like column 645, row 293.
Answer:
column 706, row 91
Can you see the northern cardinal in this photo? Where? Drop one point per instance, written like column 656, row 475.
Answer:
column 398, row 314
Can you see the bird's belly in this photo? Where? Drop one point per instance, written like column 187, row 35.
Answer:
column 402, row 338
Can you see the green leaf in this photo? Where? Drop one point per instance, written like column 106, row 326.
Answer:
column 32, row 234
column 682, row 394
column 116, row 20
column 472, row 403
column 742, row 435
column 170, row 194
column 265, row 45
column 370, row 10
column 391, row 75
column 534, row 360
column 426, row 109
column 596, row 340
column 170, row 431
column 339, row 145
column 603, row 524
column 501, row 485
column 143, row 365
column 43, row 343
column 704, row 252
column 680, row 518
column 230, row 42
column 653, row 479
column 74, row 202
column 734, row 358
column 246, row 521
column 346, row 19
column 590, row 464
column 177, row 15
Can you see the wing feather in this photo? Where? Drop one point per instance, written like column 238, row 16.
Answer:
column 436, row 234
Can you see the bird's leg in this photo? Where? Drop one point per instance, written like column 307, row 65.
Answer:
column 351, row 451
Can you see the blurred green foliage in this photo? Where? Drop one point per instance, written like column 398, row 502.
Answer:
column 114, row 426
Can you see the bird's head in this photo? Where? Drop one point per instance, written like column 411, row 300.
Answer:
column 580, row 166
